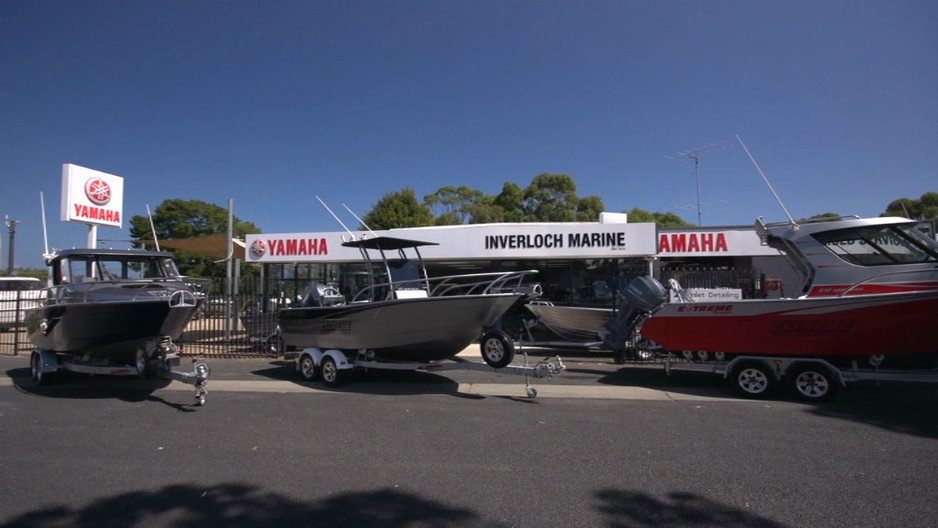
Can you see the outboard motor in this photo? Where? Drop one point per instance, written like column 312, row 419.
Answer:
column 322, row 295
column 641, row 297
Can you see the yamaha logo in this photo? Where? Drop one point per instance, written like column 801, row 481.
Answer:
column 258, row 248
column 98, row 191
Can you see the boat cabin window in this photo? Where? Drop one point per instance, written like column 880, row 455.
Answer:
column 880, row 245
column 103, row 268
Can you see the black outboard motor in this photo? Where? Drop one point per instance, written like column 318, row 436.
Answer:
column 641, row 297
column 322, row 295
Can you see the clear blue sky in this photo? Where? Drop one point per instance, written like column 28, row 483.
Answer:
column 271, row 103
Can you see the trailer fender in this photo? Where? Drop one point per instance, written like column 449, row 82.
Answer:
column 314, row 353
column 48, row 361
column 341, row 360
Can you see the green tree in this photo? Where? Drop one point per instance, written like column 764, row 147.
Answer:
column 637, row 214
column 925, row 208
column 454, row 205
column 550, row 198
column 176, row 219
column 399, row 209
column 588, row 209
column 511, row 203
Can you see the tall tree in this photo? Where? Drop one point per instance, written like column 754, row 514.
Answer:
column 454, row 205
column 176, row 218
column 399, row 209
column 550, row 198
column 925, row 208
column 588, row 209
column 637, row 214
column 511, row 203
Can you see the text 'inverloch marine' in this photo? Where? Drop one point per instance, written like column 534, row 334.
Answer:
column 556, row 240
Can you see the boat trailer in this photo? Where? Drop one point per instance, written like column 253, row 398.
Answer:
column 329, row 366
column 154, row 359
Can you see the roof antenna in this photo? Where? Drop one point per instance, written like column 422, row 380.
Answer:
column 767, row 182
column 360, row 221
column 347, row 230
column 152, row 228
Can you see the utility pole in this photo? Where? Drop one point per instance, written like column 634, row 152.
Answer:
column 695, row 155
column 11, row 224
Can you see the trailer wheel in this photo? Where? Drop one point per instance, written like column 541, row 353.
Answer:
column 329, row 372
column 752, row 379
column 142, row 363
column 813, row 383
column 35, row 367
column 308, row 368
column 497, row 349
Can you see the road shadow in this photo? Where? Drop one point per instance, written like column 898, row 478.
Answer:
column 236, row 505
column 678, row 509
column 71, row 385
column 241, row 505
column 906, row 408
column 373, row 381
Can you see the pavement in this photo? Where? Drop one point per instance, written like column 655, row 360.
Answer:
column 588, row 374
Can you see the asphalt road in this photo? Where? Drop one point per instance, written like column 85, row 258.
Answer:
column 601, row 446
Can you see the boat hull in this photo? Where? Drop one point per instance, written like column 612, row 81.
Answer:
column 574, row 323
column 858, row 325
column 106, row 330
column 422, row 329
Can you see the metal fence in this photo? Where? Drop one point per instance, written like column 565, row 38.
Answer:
column 233, row 325
column 244, row 324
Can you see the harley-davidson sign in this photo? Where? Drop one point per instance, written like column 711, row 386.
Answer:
column 91, row 196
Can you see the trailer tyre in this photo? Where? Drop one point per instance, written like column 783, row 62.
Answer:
column 813, row 383
column 142, row 364
column 329, row 372
column 497, row 349
column 752, row 379
column 308, row 368
column 35, row 367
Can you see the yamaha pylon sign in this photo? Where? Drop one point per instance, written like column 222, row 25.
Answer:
column 91, row 197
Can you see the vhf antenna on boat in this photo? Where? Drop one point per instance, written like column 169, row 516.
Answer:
column 153, row 229
column 767, row 182
column 347, row 230
column 360, row 221
column 45, row 236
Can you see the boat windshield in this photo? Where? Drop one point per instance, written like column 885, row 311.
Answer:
column 880, row 245
column 82, row 269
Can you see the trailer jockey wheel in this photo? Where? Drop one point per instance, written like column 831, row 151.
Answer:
column 497, row 349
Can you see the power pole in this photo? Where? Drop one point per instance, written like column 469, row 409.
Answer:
column 695, row 155
column 11, row 224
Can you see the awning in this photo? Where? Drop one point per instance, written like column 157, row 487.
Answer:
column 212, row 245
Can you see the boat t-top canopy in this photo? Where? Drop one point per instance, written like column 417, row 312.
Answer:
column 386, row 243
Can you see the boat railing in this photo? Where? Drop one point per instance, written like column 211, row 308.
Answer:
column 930, row 283
column 464, row 284
column 104, row 290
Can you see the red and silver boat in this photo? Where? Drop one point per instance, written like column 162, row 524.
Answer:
column 868, row 287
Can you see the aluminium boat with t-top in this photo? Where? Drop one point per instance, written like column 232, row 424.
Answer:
column 400, row 313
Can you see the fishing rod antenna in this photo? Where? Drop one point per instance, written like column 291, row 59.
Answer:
column 767, row 182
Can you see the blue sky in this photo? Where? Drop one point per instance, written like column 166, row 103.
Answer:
column 270, row 103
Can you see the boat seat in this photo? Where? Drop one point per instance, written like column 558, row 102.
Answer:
column 410, row 293
column 681, row 294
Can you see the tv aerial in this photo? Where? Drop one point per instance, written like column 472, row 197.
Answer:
column 695, row 156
